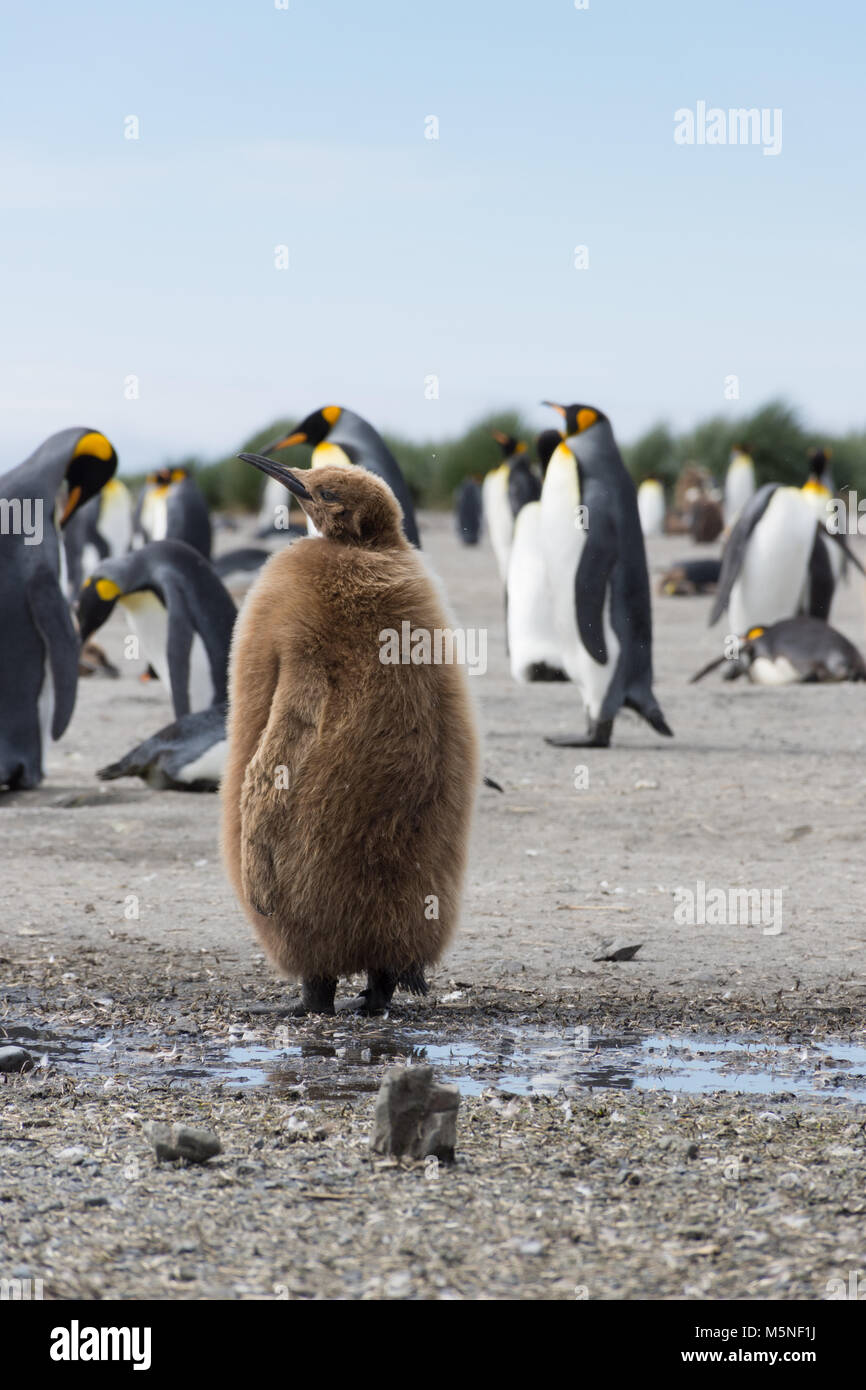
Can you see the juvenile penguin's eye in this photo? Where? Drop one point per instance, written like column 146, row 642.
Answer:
column 327, row 496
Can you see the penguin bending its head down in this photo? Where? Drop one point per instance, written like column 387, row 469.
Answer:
column 350, row 778
column 39, row 669
column 797, row 650
column 340, row 436
column 599, row 583
column 179, row 609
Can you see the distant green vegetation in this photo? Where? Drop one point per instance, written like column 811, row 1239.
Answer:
column 774, row 435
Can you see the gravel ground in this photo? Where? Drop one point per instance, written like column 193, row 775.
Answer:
column 120, row 930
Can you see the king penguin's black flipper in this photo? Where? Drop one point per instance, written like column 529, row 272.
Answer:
column 50, row 613
column 597, row 560
column 735, row 550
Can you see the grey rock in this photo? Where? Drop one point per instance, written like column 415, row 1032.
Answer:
column 416, row 1116
column 15, row 1059
column 173, row 1142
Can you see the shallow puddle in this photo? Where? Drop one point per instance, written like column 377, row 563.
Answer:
column 342, row 1060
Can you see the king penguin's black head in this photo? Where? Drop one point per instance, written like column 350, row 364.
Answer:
column 96, row 600
column 545, row 445
column 313, row 430
column 92, row 463
column 577, row 417
column 508, row 444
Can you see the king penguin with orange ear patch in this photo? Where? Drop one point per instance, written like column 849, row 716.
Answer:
column 340, row 436
column 38, row 640
column 351, row 775
column 598, row 577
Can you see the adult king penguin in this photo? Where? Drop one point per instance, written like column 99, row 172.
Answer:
column 39, row 670
column 350, row 781
column 179, row 609
column 799, row 650
column 498, row 500
column 533, row 646
column 739, row 483
column 598, row 577
column 340, row 436
column 172, row 507
column 776, row 562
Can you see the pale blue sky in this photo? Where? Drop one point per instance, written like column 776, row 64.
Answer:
column 261, row 126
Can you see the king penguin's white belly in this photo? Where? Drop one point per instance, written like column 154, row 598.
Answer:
column 149, row 621
column 531, row 630
column 497, row 516
column 201, row 691
column 115, row 517
column 763, row 671
column 739, row 487
column 210, row 766
column 651, row 507
column 564, row 537
column 775, row 566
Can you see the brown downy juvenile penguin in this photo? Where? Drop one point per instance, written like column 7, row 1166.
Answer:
column 349, row 781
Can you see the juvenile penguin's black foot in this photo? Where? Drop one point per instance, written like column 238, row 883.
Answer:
column 375, row 998
column 597, row 736
column 317, row 997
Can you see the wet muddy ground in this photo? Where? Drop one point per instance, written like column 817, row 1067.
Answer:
column 689, row 1123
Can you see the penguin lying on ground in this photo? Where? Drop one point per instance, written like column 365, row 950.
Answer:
column 796, row 650
column 188, row 755
column 687, row 577
column 350, row 781
column 99, row 529
column 172, row 507
column 533, row 646
column 598, row 577
column 40, row 647
column 468, row 511
column 777, row 561
column 179, row 609
column 340, row 436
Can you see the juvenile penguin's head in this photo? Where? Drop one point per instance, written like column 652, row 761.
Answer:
column 96, row 599
column 346, row 504
column 577, row 417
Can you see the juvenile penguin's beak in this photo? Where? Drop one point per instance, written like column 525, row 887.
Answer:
column 279, row 471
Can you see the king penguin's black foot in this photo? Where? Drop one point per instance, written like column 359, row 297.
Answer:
column 597, row 736
column 317, row 997
column 375, row 998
